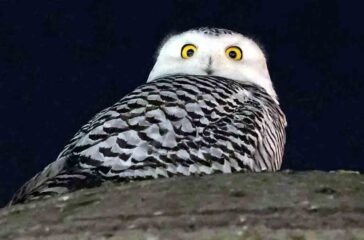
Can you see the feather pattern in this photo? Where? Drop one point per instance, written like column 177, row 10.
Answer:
column 174, row 125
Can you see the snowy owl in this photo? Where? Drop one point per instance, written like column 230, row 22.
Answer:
column 209, row 106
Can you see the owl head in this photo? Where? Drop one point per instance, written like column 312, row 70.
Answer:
column 215, row 52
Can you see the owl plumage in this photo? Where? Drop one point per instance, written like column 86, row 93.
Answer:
column 204, row 110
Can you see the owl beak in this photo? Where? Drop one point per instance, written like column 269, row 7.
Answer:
column 208, row 69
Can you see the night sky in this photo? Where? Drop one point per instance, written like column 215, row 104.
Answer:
column 61, row 62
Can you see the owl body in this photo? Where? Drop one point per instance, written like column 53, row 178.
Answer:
column 195, row 119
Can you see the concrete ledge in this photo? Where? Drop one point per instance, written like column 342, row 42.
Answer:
column 284, row 205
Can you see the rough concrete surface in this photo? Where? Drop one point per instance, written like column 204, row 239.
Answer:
column 283, row 205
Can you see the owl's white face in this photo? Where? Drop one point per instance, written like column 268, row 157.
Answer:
column 197, row 53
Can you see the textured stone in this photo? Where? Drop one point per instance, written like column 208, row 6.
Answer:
column 283, row 205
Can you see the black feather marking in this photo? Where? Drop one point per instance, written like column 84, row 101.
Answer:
column 124, row 144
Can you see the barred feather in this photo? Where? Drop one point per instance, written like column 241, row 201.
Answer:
column 174, row 125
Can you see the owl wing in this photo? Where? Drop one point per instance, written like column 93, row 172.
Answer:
column 177, row 125
column 245, row 131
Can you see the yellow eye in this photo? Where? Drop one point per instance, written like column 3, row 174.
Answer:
column 234, row 53
column 188, row 51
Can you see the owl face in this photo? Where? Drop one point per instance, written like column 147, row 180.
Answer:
column 215, row 52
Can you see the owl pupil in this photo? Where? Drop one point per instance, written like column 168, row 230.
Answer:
column 190, row 52
column 232, row 54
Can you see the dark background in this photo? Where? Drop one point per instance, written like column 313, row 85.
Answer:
column 63, row 61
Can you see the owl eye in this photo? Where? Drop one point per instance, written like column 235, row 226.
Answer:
column 234, row 53
column 188, row 51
